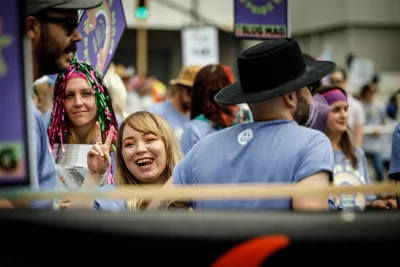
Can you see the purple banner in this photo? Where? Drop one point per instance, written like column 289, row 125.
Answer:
column 261, row 19
column 102, row 29
column 12, row 100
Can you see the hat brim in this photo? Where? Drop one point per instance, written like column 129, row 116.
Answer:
column 315, row 70
column 80, row 4
column 179, row 81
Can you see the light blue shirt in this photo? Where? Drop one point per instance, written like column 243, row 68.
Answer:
column 109, row 204
column 46, row 117
column 394, row 167
column 277, row 151
column 176, row 119
column 45, row 165
column 193, row 132
column 346, row 175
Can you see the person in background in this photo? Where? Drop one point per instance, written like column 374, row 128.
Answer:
column 374, row 82
column 392, row 106
column 206, row 115
column 356, row 110
column 43, row 89
column 133, row 99
column 374, row 141
column 118, row 92
column 350, row 161
column 176, row 108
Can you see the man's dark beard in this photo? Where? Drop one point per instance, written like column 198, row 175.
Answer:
column 303, row 110
column 48, row 54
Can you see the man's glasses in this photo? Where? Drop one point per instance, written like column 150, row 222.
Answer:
column 69, row 24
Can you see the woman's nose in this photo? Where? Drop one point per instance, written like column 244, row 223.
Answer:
column 140, row 147
column 78, row 102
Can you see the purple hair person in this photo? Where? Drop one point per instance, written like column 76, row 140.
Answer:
column 80, row 99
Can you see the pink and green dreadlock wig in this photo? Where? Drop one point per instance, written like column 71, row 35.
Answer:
column 57, row 127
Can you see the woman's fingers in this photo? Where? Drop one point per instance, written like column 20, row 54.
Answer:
column 107, row 157
column 98, row 149
column 93, row 153
column 98, row 133
column 109, row 137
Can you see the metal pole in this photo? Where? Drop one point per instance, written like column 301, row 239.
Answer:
column 141, row 48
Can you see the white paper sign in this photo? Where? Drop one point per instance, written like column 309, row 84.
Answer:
column 71, row 166
column 200, row 46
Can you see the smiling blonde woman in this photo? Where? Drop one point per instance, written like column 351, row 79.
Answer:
column 146, row 153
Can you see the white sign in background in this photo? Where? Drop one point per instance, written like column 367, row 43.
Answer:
column 200, row 46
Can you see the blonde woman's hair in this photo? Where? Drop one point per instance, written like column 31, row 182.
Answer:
column 146, row 122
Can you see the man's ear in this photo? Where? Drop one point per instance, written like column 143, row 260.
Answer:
column 32, row 29
column 290, row 99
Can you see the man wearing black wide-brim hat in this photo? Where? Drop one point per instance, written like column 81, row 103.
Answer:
column 275, row 83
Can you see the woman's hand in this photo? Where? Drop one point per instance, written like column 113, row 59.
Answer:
column 384, row 204
column 64, row 203
column 98, row 158
column 5, row 204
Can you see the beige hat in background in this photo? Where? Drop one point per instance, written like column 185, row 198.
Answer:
column 187, row 75
column 121, row 71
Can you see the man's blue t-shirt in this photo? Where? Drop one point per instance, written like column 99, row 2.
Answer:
column 277, row 151
column 193, row 132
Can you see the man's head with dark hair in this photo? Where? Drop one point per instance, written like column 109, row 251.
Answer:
column 339, row 77
column 374, row 82
column 375, row 79
column 51, row 26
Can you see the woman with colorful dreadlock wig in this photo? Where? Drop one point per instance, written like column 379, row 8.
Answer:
column 80, row 99
column 206, row 115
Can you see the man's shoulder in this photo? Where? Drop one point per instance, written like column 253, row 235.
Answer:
column 311, row 137
column 214, row 139
column 308, row 133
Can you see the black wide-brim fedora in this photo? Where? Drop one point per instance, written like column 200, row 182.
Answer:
column 271, row 69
